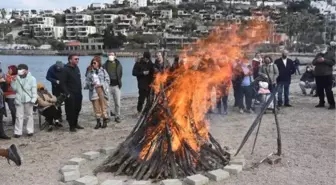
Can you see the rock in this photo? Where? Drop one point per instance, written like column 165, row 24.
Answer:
column 196, row 180
column 217, row 175
column 76, row 161
column 91, row 155
column 86, row 180
column 68, row 168
column 238, row 162
column 171, row 182
column 70, row 176
column 233, row 169
column 107, row 150
column 141, row 183
column 112, row 182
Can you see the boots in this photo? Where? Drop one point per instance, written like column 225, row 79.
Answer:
column 13, row 155
column 98, row 124
column 105, row 120
column 2, row 132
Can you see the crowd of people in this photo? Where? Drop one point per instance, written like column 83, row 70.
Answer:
column 22, row 93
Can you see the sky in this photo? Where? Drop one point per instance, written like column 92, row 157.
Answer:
column 47, row 4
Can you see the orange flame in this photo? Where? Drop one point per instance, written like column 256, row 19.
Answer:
column 206, row 64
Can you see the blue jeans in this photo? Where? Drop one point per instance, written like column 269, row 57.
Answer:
column 283, row 88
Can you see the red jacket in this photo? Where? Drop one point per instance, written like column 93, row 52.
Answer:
column 9, row 80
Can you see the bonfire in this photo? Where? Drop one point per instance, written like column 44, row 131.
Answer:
column 171, row 138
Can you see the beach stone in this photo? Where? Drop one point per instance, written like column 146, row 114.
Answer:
column 238, row 162
column 91, row 155
column 68, row 168
column 107, row 150
column 70, row 176
column 233, row 169
column 171, row 182
column 86, row 180
column 112, row 182
column 217, row 175
column 141, row 183
column 76, row 161
column 197, row 180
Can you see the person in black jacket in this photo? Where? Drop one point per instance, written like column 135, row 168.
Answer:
column 3, row 87
column 286, row 69
column 72, row 87
column 115, row 71
column 53, row 75
column 308, row 81
column 324, row 62
column 297, row 66
column 143, row 70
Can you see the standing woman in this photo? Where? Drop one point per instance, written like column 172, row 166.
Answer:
column 97, row 81
column 9, row 93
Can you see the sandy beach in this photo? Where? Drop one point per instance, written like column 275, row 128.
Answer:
column 308, row 138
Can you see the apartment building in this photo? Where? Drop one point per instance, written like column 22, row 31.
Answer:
column 76, row 9
column 104, row 19
column 77, row 19
column 163, row 14
column 56, row 32
column 73, row 32
column 47, row 21
column 98, row 6
column 172, row 2
column 36, row 23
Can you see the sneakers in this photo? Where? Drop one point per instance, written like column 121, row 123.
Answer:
column 13, row 155
column 319, row 105
column 117, row 119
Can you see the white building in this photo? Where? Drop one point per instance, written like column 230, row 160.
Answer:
column 104, row 19
column 271, row 3
column 73, row 32
column 47, row 21
column 172, row 2
column 77, row 19
column 324, row 7
column 98, row 6
column 55, row 32
column 37, row 23
column 76, row 9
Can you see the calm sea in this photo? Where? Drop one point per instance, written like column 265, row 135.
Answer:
column 39, row 65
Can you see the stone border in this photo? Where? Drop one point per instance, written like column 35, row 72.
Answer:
column 70, row 172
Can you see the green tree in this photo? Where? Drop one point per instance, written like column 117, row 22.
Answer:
column 112, row 40
column 56, row 45
column 60, row 18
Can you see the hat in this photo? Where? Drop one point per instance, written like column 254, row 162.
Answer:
column 40, row 85
column 22, row 66
column 59, row 63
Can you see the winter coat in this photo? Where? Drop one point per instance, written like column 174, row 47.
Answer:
column 285, row 72
column 26, row 89
column 272, row 70
column 104, row 80
column 160, row 67
column 45, row 99
column 71, row 80
column 9, row 93
column 53, row 75
column 308, row 77
column 119, row 71
column 144, row 81
column 324, row 68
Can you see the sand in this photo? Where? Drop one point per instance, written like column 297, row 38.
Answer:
column 308, row 137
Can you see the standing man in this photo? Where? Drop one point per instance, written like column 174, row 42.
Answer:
column 143, row 70
column 72, row 87
column 286, row 69
column 115, row 71
column 161, row 64
column 324, row 62
column 53, row 76
column 297, row 65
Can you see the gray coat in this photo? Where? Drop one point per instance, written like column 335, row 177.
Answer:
column 272, row 70
column 324, row 68
column 104, row 80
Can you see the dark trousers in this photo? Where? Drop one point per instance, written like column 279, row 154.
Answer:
column 73, row 106
column 51, row 113
column 245, row 91
column 143, row 95
column 283, row 88
column 324, row 84
column 56, row 91
column 224, row 100
column 235, row 94
column 2, row 130
column 297, row 69
column 11, row 106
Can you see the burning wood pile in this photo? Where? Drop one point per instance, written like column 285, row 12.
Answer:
column 171, row 139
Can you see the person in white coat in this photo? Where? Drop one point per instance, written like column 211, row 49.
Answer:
column 26, row 96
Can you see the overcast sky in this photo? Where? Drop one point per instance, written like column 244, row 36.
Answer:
column 47, row 4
